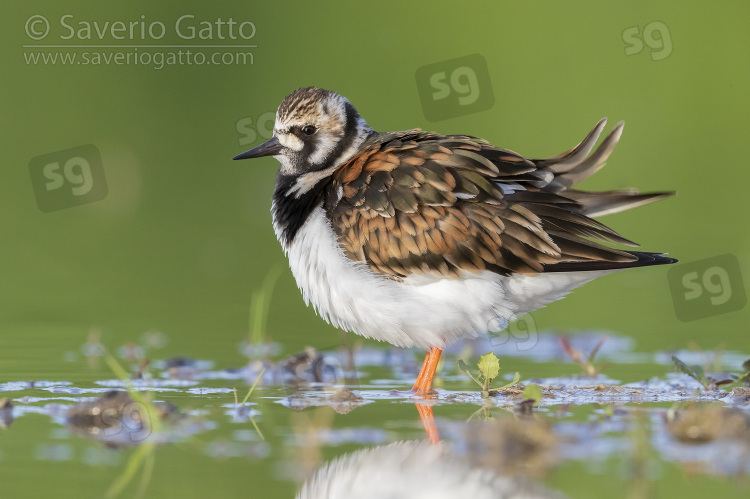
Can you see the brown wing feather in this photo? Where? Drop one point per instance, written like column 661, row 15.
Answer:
column 419, row 202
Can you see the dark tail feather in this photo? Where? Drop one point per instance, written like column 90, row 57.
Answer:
column 643, row 259
column 577, row 164
column 598, row 204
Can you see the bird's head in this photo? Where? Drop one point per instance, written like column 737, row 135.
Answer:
column 316, row 130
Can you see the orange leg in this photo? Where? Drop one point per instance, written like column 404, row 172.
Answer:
column 428, row 420
column 423, row 385
column 421, row 372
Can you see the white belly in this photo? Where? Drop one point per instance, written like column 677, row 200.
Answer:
column 421, row 311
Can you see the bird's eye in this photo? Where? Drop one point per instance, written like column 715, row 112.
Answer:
column 308, row 129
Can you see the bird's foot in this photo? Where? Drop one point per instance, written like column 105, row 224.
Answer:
column 416, row 393
column 425, row 394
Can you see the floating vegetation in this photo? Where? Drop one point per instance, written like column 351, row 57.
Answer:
column 485, row 372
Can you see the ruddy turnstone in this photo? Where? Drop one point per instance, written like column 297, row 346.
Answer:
column 421, row 239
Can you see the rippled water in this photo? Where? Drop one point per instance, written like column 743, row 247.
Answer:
column 321, row 423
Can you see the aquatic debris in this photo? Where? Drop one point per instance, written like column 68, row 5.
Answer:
column 116, row 418
column 701, row 424
column 344, row 400
column 308, row 366
column 740, row 395
column 6, row 412
column 344, row 395
column 512, row 446
column 602, row 393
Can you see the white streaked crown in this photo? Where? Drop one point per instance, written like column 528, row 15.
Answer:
column 319, row 130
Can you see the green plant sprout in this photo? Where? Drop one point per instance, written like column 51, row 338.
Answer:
column 143, row 456
column 484, row 413
column 260, row 304
column 244, row 401
column 486, row 371
column 744, row 378
column 738, row 380
column 589, row 366
column 532, row 391
column 696, row 372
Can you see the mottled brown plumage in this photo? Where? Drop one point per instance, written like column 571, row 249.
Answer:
column 418, row 202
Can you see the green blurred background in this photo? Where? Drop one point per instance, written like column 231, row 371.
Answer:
column 184, row 234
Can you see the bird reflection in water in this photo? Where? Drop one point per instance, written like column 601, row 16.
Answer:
column 497, row 459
